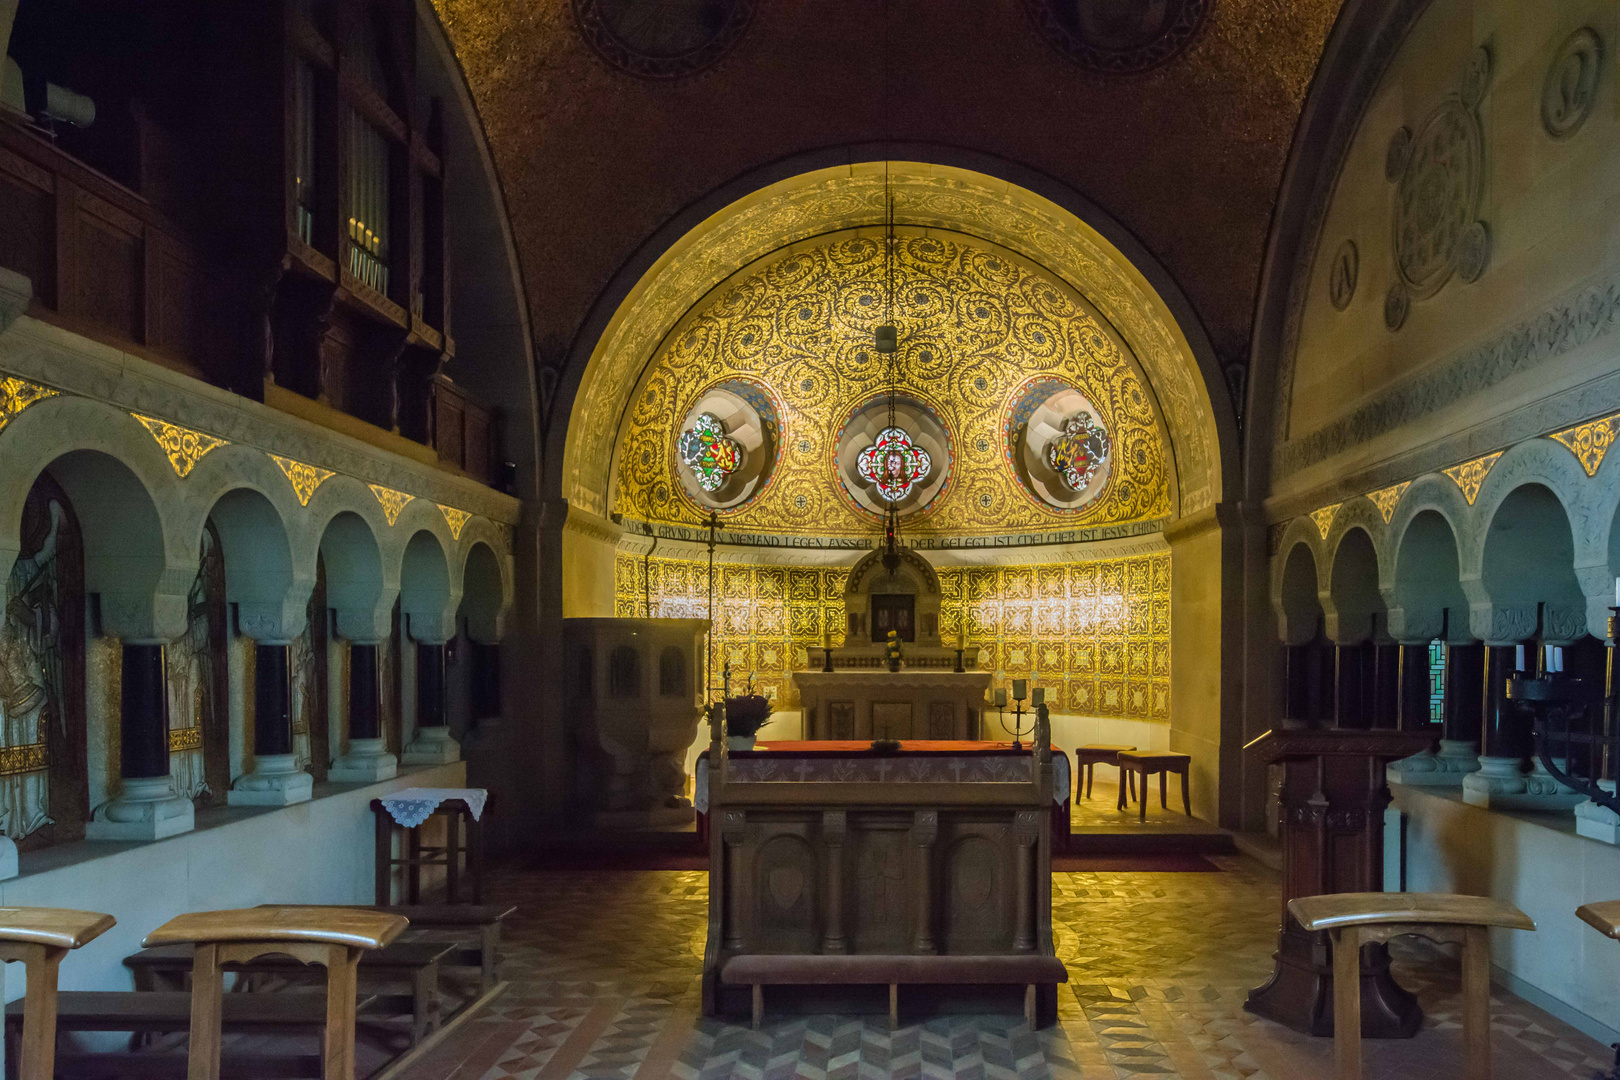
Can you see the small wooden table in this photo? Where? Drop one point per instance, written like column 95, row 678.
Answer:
column 40, row 938
column 1355, row 919
column 1147, row 762
column 1088, row 757
column 333, row 937
column 464, row 836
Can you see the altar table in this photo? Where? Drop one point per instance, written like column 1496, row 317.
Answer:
column 805, row 753
column 819, row 849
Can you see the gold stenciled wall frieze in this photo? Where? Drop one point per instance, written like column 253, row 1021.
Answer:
column 392, row 501
column 974, row 325
column 183, row 446
column 29, row 757
column 1096, row 635
column 17, row 394
column 305, row 479
column 1590, row 442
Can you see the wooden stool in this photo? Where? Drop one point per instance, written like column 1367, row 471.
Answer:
column 1088, row 757
column 462, row 834
column 333, row 937
column 1146, row 763
column 39, row 938
column 1357, row 919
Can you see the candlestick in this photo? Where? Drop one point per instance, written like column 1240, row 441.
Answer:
column 961, row 633
column 1518, row 658
column 1020, row 689
column 1001, row 697
column 1038, row 696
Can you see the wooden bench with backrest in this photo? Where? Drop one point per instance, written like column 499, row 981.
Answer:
column 39, row 938
column 332, row 937
column 168, row 967
column 1356, row 919
column 463, row 923
column 761, row 970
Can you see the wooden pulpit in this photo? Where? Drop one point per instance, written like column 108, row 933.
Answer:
column 1333, row 800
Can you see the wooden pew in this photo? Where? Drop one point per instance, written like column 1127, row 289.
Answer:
column 465, row 920
column 39, row 938
column 167, row 967
column 332, row 937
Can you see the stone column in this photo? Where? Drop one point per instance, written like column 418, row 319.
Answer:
column 276, row 779
column 431, row 743
column 1461, row 709
column 1026, row 828
column 147, row 808
column 367, row 759
column 1593, row 821
column 1505, row 743
column 1412, row 687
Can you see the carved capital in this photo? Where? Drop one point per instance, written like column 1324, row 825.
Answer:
column 1502, row 624
column 1563, row 624
column 734, row 826
column 1027, row 826
column 1416, row 626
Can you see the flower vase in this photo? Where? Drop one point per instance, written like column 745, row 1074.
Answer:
column 740, row 742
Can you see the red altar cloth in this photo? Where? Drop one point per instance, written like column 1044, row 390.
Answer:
column 911, row 747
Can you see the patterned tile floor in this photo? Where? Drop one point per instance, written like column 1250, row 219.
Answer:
column 604, row 972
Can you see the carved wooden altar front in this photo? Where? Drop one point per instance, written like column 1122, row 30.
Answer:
column 847, row 851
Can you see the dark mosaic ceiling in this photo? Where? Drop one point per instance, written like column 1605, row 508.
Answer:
column 600, row 141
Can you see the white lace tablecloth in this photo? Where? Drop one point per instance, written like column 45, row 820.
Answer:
column 1060, row 775
column 412, row 806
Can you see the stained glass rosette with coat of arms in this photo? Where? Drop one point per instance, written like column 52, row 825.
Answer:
column 893, row 464
column 708, row 452
column 1079, row 451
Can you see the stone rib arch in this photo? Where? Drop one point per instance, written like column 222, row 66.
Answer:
column 1543, row 462
column 1423, row 589
column 483, row 594
column 428, row 597
column 1297, row 589
column 1007, row 205
column 1353, row 609
column 261, row 576
column 1526, row 586
column 357, row 587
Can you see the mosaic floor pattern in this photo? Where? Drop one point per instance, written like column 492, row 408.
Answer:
column 604, row 970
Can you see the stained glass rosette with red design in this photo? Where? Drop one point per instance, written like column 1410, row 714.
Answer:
column 1079, row 451
column 708, row 452
column 893, row 464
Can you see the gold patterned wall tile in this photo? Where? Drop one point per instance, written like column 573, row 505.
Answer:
column 392, row 501
column 1059, row 642
column 804, row 584
column 456, row 519
column 1386, row 499
column 17, row 394
column 305, row 479
column 1470, row 475
column 183, row 446
column 1590, row 442
column 1323, row 518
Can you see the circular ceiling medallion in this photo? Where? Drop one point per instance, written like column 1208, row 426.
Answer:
column 662, row 39
column 1118, row 37
column 1570, row 88
column 903, row 462
column 1437, row 196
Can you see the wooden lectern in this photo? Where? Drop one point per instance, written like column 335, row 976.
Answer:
column 1333, row 801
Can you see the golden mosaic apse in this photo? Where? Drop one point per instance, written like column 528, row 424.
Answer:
column 1096, row 634
column 975, row 325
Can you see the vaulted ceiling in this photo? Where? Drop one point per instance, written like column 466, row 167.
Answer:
column 1188, row 155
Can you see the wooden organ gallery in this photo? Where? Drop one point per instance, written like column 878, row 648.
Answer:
column 620, row 536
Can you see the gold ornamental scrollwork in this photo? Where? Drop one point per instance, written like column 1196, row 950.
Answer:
column 1386, row 499
column 975, row 323
column 1323, row 518
column 1589, row 442
column 1470, row 475
column 392, row 501
column 456, row 519
column 183, row 446
column 17, row 394
column 303, row 478
column 189, row 738
column 30, row 757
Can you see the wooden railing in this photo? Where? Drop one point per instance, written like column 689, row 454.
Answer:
column 465, row 433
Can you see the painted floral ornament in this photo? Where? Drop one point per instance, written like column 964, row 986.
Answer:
column 1079, row 451
column 894, row 464
column 708, row 452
